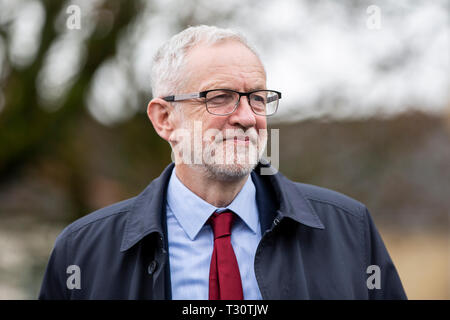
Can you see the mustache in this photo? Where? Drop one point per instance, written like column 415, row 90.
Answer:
column 250, row 135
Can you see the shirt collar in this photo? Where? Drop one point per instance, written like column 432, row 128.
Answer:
column 186, row 205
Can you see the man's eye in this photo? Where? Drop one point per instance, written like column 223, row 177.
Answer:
column 220, row 98
column 259, row 99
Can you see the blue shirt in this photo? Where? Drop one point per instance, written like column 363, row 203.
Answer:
column 191, row 240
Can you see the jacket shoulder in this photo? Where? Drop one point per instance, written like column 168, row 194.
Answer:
column 104, row 215
column 324, row 196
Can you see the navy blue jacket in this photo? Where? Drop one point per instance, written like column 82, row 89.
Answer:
column 316, row 244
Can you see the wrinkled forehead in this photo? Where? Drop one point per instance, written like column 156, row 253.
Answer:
column 228, row 61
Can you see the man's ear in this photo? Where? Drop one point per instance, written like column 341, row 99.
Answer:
column 159, row 112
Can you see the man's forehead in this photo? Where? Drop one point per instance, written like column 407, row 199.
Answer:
column 225, row 62
column 221, row 54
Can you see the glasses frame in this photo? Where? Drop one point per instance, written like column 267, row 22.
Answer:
column 202, row 94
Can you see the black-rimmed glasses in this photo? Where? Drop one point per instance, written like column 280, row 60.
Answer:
column 223, row 102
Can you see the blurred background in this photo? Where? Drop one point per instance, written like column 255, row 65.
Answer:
column 365, row 111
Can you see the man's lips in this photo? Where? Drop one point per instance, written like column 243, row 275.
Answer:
column 235, row 139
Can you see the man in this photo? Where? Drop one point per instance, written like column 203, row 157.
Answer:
column 212, row 226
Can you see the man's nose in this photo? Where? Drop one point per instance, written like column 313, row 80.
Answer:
column 243, row 115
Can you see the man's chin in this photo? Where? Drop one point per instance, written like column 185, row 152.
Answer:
column 228, row 172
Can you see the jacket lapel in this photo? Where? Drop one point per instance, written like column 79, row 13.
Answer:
column 279, row 198
column 146, row 232
column 284, row 211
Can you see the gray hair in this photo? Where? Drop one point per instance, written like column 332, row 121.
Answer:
column 169, row 60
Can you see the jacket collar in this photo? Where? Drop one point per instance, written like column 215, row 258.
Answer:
column 292, row 202
column 147, row 211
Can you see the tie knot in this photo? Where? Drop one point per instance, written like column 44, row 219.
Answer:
column 221, row 223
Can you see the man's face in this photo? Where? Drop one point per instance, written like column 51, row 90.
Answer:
column 241, row 138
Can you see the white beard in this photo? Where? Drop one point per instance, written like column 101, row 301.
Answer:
column 220, row 158
column 238, row 159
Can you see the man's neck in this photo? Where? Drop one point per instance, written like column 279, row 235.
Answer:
column 219, row 193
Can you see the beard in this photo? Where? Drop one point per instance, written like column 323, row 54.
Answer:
column 226, row 156
column 234, row 154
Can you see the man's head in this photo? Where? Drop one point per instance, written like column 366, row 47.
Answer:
column 200, row 59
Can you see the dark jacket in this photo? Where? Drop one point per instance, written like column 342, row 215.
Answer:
column 316, row 244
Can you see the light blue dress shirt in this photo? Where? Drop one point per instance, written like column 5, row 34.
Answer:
column 191, row 240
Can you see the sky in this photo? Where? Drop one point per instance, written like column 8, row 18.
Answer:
column 330, row 59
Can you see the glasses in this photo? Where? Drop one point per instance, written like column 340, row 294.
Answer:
column 222, row 102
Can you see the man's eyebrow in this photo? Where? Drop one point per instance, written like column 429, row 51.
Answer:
column 217, row 85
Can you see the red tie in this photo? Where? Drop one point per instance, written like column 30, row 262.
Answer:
column 224, row 277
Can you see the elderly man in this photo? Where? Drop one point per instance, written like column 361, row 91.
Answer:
column 212, row 226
